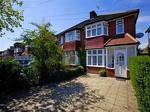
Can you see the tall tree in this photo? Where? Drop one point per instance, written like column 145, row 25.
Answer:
column 10, row 17
column 45, row 48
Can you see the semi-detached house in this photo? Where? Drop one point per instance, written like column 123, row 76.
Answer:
column 109, row 40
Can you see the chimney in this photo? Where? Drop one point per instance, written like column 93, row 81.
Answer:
column 93, row 15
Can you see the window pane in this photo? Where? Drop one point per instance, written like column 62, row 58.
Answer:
column 94, row 52
column 77, row 35
column 105, row 30
column 99, row 51
column 99, row 31
column 89, row 60
column 119, row 26
column 89, row 52
column 94, row 60
column 100, row 60
column 88, row 33
column 93, row 32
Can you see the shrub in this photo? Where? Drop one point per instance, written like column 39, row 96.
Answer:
column 31, row 75
column 79, row 70
column 66, row 74
column 10, row 77
column 140, row 76
column 102, row 73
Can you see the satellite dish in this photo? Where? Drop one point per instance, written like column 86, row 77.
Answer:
column 139, row 35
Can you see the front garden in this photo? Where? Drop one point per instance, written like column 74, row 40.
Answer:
column 46, row 66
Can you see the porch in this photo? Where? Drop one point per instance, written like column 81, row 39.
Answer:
column 117, row 60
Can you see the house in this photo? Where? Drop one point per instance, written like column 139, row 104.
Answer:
column 21, row 54
column 109, row 40
column 17, row 52
column 146, row 51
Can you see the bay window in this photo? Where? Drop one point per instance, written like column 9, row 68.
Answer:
column 71, row 57
column 97, row 29
column 62, row 40
column 119, row 26
column 72, row 36
column 96, row 57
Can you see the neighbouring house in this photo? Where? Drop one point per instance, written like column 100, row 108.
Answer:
column 109, row 40
column 21, row 54
column 146, row 50
column 18, row 52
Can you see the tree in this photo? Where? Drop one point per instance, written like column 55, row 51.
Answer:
column 10, row 17
column 45, row 48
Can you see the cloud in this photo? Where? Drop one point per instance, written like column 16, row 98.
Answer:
column 144, row 19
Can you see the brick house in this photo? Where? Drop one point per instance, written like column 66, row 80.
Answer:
column 109, row 40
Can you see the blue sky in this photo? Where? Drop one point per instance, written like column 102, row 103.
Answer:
column 63, row 14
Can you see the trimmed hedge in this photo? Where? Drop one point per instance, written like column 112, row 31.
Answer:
column 140, row 76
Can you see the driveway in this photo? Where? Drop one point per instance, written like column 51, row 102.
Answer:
column 85, row 94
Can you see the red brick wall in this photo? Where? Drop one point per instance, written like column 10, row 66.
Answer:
column 112, row 28
column 95, row 42
column 94, row 70
column 110, row 72
column 129, row 25
column 70, row 46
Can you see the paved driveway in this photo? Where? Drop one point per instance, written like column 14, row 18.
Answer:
column 118, row 94
column 84, row 94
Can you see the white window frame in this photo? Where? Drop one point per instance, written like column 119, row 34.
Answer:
column 102, row 29
column 122, row 20
column 62, row 40
column 103, row 58
column 75, row 36
column 75, row 56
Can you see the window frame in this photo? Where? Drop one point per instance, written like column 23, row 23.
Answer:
column 74, row 37
column 102, row 55
column 89, row 28
column 122, row 20
column 70, row 54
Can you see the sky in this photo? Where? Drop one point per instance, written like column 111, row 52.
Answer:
column 63, row 14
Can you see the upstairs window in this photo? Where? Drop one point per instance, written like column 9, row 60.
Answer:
column 72, row 36
column 119, row 26
column 93, row 30
column 62, row 40
column 97, row 29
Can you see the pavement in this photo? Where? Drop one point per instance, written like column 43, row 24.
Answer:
column 89, row 93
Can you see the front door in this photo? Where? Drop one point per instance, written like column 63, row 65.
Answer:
column 120, row 63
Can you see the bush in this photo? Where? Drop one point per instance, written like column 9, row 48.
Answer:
column 102, row 73
column 10, row 77
column 79, row 70
column 67, row 74
column 31, row 75
column 140, row 76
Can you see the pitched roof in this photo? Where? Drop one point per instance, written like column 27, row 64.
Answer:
column 148, row 30
column 105, row 17
column 125, row 40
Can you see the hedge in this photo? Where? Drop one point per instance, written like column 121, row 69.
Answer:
column 140, row 77
column 10, row 76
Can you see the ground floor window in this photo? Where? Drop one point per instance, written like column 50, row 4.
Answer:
column 71, row 57
column 95, row 57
